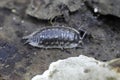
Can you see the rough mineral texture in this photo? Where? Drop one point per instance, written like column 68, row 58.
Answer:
column 79, row 68
column 46, row 9
column 3, row 2
column 105, row 7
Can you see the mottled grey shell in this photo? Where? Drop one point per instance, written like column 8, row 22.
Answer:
column 54, row 37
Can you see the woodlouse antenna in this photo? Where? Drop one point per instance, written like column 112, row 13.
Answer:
column 82, row 34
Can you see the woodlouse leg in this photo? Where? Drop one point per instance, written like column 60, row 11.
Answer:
column 81, row 45
column 51, row 21
column 64, row 50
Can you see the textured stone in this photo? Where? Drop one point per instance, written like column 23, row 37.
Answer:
column 47, row 9
column 111, row 7
column 79, row 68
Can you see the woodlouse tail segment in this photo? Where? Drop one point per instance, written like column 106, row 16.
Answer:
column 82, row 34
column 25, row 39
column 26, row 42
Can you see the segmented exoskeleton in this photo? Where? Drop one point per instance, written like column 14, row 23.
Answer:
column 56, row 37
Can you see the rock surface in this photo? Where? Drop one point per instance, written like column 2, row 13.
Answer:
column 46, row 9
column 3, row 2
column 79, row 68
column 106, row 7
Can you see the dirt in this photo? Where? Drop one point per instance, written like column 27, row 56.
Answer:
column 21, row 62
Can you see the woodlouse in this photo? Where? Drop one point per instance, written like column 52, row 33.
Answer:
column 56, row 37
